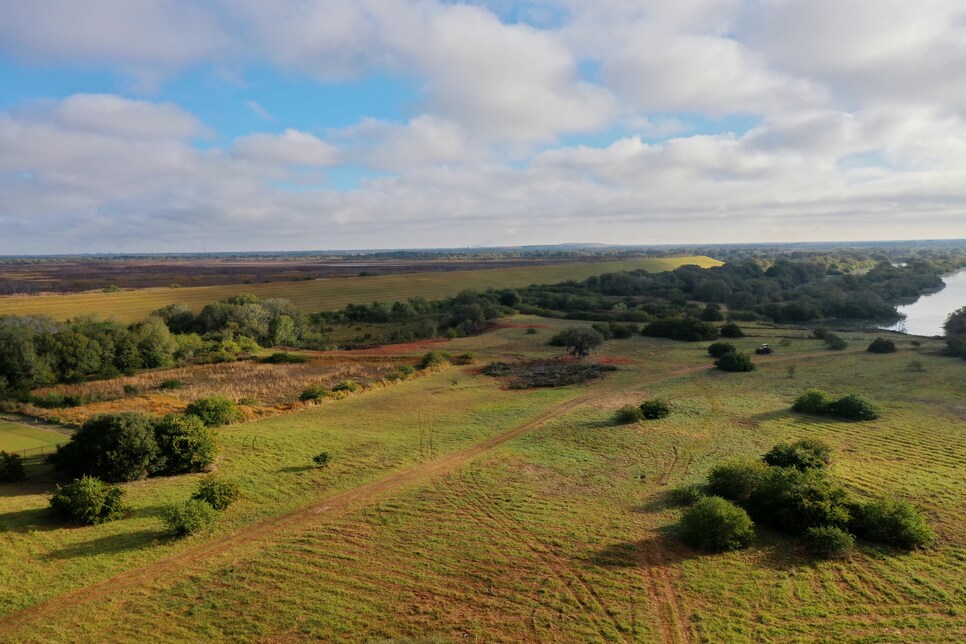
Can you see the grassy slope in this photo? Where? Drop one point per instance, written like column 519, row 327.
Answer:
column 558, row 535
column 328, row 294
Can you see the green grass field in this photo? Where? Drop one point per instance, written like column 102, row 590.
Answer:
column 560, row 534
column 327, row 294
column 16, row 437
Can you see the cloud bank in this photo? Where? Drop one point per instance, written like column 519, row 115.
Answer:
column 536, row 122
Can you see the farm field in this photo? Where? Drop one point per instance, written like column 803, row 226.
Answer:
column 455, row 509
column 326, row 294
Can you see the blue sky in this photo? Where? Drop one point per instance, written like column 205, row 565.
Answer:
column 145, row 125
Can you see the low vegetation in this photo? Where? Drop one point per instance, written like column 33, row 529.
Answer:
column 11, row 467
column 88, row 501
column 189, row 517
column 546, row 373
column 849, row 407
column 714, row 524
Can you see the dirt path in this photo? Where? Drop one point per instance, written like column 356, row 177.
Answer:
column 670, row 609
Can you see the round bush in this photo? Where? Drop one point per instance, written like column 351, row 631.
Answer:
column 322, row 459
column 714, row 524
column 882, row 345
column 686, row 494
column 736, row 480
column 802, row 455
column 112, row 447
column 217, row 492
column 893, row 522
column 731, row 330
column 346, row 386
column 813, row 401
column 88, row 501
column 718, row 349
column 11, row 467
column 190, row 517
column 793, row 500
column 853, row 407
column 185, row 444
column 735, row 361
column 628, row 414
column 312, row 393
column 434, row 360
column 828, row 542
column 654, row 409
column 214, row 411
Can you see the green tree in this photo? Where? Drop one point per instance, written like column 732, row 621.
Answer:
column 185, row 444
column 88, row 501
column 112, row 447
column 580, row 341
column 714, row 524
column 214, row 411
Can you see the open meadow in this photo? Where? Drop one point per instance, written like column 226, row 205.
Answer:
column 455, row 508
column 327, row 294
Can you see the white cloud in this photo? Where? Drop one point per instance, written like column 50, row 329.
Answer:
column 290, row 148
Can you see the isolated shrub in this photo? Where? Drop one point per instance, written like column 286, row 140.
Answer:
column 463, row 359
column 853, row 407
column 718, row 349
column 172, row 383
column 214, row 411
column 802, row 455
column 735, row 361
column 216, row 491
column 112, row 447
column 434, row 360
column 737, row 480
column 322, row 459
column 131, row 390
column 714, row 524
column 793, row 500
column 893, row 522
column 813, row 401
column 531, row 331
column 835, row 342
column 654, row 409
column 346, row 386
column 185, row 444
column 88, row 501
column 820, row 333
column 882, row 345
column 628, row 414
column 686, row 494
column 314, row 392
column 828, row 542
column 190, row 517
column 731, row 330
column 285, row 358
column 11, row 467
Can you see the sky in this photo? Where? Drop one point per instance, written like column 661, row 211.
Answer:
column 232, row 125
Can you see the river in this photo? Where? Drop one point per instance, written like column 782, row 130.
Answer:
column 926, row 315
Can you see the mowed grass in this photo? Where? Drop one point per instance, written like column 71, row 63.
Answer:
column 563, row 534
column 16, row 437
column 328, row 294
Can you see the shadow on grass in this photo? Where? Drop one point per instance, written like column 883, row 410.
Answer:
column 296, row 468
column 35, row 519
column 112, row 544
column 657, row 551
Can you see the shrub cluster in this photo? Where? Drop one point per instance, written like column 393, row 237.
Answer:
column 686, row 329
column 848, row 407
column 130, row 445
column 734, row 361
column 88, row 501
column 731, row 330
column 216, row 491
column 628, row 414
column 654, row 409
column 714, row 524
column 882, row 345
column 214, row 411
column 346, row 386
column 313, row 393
column 791, row 491
column 434, row 360
column 11, row 467
column 285, row 358
column 546, row 373
column 718, row 349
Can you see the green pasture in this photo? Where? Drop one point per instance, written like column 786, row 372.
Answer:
column 19, row 436
column 563, row 534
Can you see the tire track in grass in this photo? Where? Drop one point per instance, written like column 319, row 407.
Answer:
column 342, row 503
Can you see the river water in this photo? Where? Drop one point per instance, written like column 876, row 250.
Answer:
column 926, row 315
